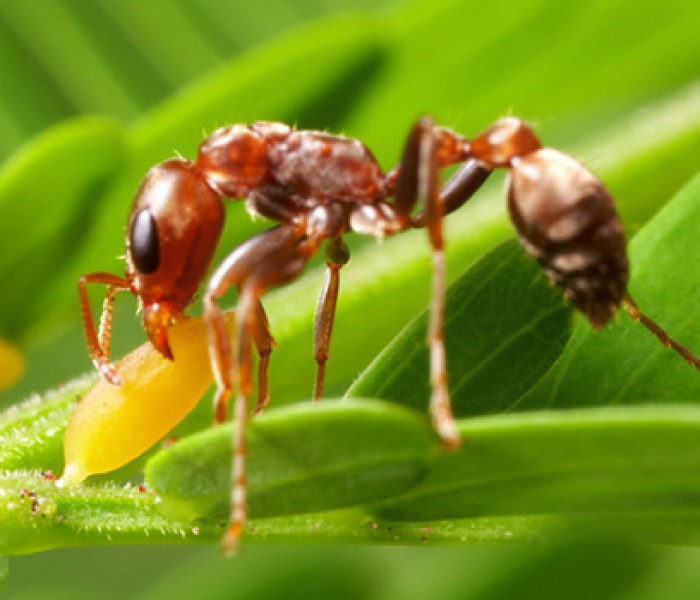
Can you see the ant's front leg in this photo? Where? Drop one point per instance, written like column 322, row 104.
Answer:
column 99, row 341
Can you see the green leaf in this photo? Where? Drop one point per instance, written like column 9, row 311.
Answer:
column 600, row 460
column 584, row 567
column 306, row 458
column 624, row 363
column 119, row 59
column 44, row 204
column 75, row 67
column 659, row 139
column 579, row 74
column 31, row 432
column 36, row 514
column 505, row 325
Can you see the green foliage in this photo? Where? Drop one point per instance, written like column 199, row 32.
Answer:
column 499, row 340
column 31, row 433
column 622, row 99
column 361, row 453
column 28, row 202
column 351, row 453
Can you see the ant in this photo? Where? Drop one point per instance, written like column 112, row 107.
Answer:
column 319, row 187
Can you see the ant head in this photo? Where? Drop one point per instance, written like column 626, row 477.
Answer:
column 172, row 233
column 235, row 160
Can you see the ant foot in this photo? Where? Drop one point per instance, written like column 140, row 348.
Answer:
column 109, row 373
column 231, row 541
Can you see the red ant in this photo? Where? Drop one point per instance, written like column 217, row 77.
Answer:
column 320, row 187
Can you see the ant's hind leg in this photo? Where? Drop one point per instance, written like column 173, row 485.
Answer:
column 450, row 148
column 429, row 189
column 419, row 178
column 428, row 149
column 636, row 315
column 458, row 189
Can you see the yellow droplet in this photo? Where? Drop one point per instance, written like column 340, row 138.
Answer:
column 11, row 364
column 113, row 425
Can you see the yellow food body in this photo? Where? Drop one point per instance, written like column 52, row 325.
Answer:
column 113, row 425
column 11, row 364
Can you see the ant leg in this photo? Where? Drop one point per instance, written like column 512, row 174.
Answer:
column 404, row 180
column 463, row 185
column 419, row 177
column 429, row 188
column 427, row 149
column 99, row 342
column 272, row 258
column 104, row 334
column 220, row 355
column 273, row 269
column 337, row 256
column 325, row 314
column 465, row 182
column 264, row 343
column 237, row 267
column 636, row 315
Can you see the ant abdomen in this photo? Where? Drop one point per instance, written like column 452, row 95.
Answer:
column 567, row 220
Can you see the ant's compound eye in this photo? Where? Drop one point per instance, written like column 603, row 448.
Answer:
column 143, row 243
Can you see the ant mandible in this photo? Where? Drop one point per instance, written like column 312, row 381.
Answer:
column 320, row 187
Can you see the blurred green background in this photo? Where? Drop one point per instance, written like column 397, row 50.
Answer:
column 94, row 92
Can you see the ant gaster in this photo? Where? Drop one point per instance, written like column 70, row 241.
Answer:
column 320, row 187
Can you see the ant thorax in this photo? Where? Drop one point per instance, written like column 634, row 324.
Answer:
column 317, row 165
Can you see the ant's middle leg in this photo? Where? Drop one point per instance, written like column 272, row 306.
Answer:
column 337, row 255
